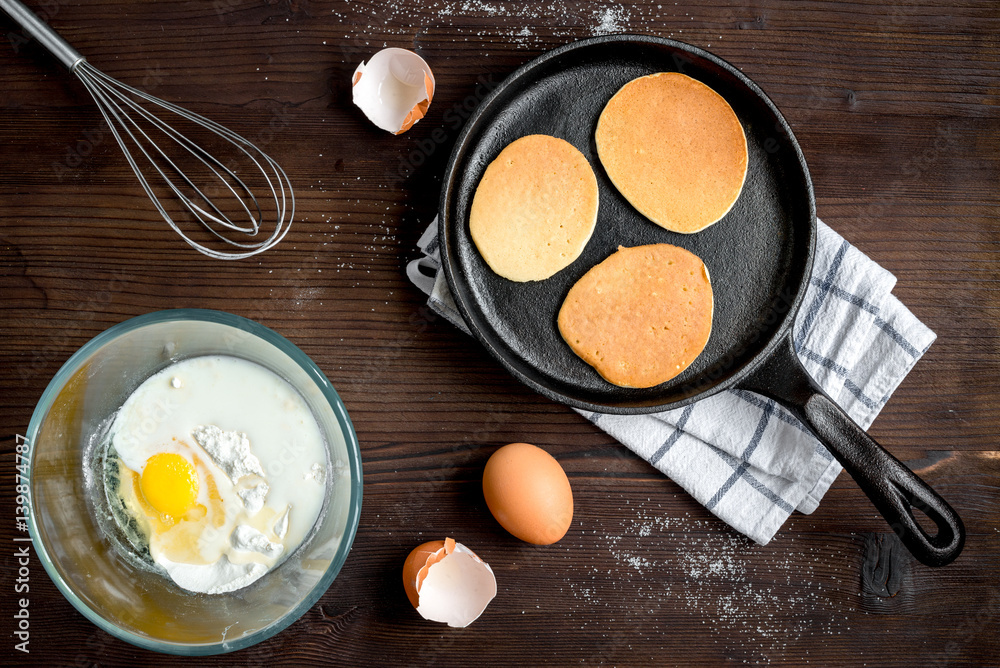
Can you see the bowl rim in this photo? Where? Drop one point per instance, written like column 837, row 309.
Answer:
column 333, row 398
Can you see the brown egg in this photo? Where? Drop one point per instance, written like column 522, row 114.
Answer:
column 528, row 493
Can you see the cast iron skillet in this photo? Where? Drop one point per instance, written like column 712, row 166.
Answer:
column 759, row 257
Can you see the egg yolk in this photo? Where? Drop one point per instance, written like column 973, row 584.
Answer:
column 169, row 484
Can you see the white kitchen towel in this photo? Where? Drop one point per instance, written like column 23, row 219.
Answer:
column 744, row 457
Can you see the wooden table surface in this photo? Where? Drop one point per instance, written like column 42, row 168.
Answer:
column 896, row 109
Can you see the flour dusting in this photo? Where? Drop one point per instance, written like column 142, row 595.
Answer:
column 612, row 20
column 511, row 21
column 755, row 607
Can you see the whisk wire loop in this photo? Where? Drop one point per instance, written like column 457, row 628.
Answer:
column 129, row 124
column 125, row 116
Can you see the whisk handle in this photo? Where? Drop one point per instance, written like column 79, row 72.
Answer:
column 49, row 38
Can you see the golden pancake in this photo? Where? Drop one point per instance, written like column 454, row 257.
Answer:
column 641, row 316
column 534, row 209
column 675, row 150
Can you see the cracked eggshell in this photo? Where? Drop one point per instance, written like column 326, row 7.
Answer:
column 446, row 582
column 394, row 89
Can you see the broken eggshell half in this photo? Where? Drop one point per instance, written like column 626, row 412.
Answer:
column 394, row 89
column 446, row 582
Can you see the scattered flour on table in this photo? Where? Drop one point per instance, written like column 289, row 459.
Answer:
column 614, row 19
column 520, row 22
column 754, row 607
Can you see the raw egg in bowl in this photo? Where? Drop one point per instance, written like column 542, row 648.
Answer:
column 195, row 482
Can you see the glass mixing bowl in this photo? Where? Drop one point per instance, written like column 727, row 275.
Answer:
column 66, row 520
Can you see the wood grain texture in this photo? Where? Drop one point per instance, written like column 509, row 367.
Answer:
column 896, row 108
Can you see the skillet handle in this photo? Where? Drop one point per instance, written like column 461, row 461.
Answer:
column 894, row 489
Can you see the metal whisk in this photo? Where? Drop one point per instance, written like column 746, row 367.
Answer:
column 127, row 112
